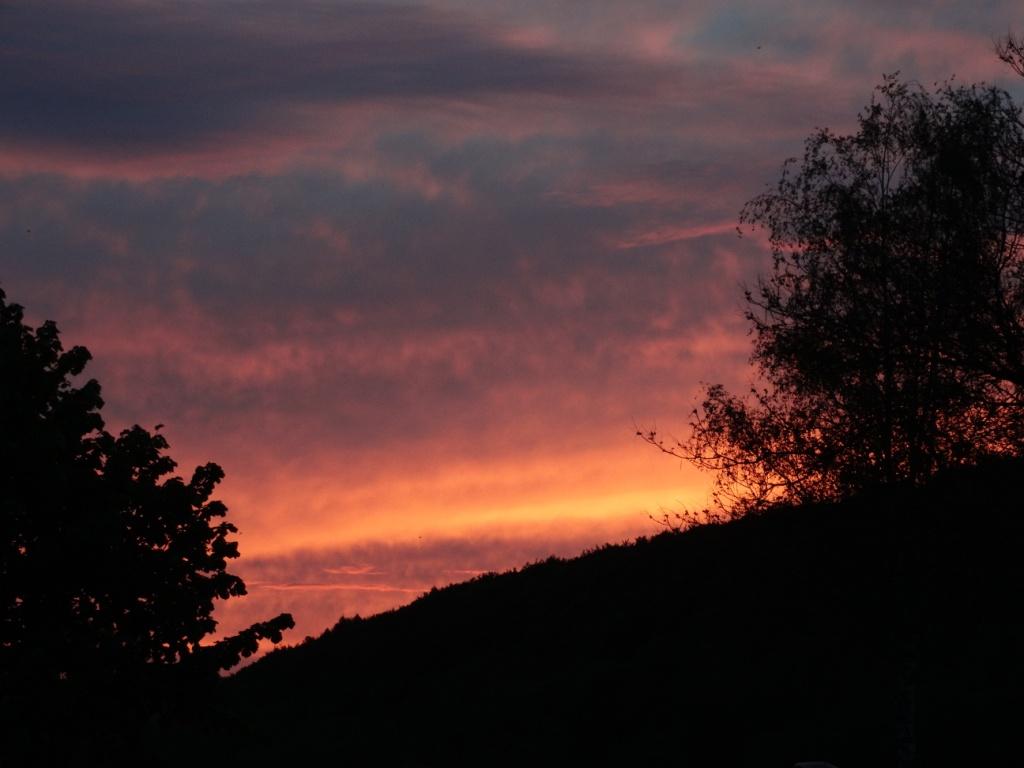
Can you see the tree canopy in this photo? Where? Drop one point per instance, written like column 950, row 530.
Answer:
column 889, row 334
column 109, row 563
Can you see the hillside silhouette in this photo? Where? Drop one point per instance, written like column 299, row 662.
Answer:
column 882, row 630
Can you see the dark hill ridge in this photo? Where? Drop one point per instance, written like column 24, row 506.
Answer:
column 887, row 625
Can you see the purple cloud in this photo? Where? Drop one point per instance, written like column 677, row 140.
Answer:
column 116, row 77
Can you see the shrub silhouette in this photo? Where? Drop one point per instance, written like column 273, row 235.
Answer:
column 110, row 564
column 890, row 331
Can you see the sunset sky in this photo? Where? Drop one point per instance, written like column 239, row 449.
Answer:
column 414, row 273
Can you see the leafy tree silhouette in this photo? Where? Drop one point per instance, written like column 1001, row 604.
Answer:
column 890, row 332
column 110, row 564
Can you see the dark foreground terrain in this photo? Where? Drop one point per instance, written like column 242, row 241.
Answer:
column 869, row 633
column 857, row 633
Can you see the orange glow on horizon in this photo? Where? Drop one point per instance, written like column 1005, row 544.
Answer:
column 366, row 549
column 614, row 492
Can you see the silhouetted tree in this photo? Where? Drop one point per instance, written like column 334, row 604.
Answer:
column 890, row 331
column 1011, row 50
column 109, row 564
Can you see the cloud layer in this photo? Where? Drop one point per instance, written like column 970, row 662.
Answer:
column 420, row 270
column 111, row 79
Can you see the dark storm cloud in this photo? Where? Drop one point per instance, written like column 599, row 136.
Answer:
column 115, row 77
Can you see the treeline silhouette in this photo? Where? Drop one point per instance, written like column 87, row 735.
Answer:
column 886, row 625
